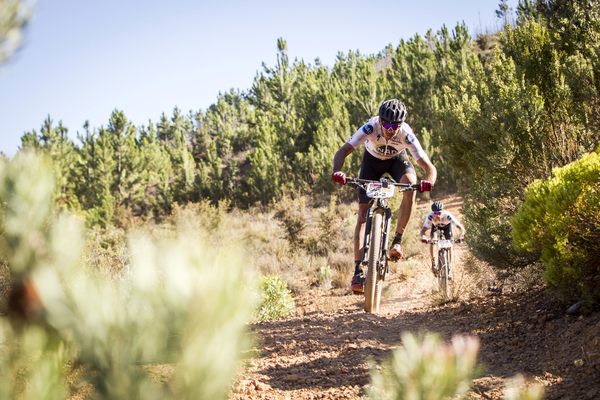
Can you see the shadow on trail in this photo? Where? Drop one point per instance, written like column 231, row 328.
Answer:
column 526, row 333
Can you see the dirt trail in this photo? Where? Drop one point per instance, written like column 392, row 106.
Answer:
column 324, row 355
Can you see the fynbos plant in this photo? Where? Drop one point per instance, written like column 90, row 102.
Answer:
column 276, row 299
column 324, row 276
column 427, row 369
column 181, row 303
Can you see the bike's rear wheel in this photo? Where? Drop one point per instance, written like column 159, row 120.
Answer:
column 373, row 283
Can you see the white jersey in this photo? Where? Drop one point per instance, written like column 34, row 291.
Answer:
column 379, row 147
column 445, row 218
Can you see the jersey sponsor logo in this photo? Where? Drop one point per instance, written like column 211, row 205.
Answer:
column 410, row 138
column 386, row 150
column 449, row 217
column 430, row 218
column 368, row 129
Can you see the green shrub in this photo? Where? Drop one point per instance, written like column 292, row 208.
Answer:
column 329, row 228
column 276, row 299
column 292, row 215
column 427, row 369
column 180, row 302
column 561, row 217
column 517, row 389
column 423, row 369
column 324, row 276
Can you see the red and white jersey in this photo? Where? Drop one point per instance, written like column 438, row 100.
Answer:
column 379, row 147
column 443, row 219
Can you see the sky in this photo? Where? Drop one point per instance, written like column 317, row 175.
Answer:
column 84, row 59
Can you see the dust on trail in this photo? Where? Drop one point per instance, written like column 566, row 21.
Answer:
column 326, row 355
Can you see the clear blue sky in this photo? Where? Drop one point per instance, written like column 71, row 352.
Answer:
column 83, row 59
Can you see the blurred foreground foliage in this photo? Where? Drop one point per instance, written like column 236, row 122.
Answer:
column 560, row 218
column 177, row 301
column 425, row 368
column 14, row 16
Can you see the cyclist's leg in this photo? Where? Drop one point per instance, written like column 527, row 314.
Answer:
column 359, row 230
column 402, row 171
column 359, row 233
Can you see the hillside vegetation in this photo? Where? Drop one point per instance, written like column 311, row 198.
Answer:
column 138, row 246
column 494, row 114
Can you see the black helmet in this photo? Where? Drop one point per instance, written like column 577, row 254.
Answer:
column 437, row 206
column 392, row 111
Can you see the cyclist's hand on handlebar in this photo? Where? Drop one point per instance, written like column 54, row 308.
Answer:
column 424, row 240
column 425, row 186
column 339, row 177
column 462, row 239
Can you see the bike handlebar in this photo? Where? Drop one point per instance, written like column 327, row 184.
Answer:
column 434, row 241
column 356, row 182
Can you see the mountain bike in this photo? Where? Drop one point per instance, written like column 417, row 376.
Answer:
column 444, row 261
column 377, row 233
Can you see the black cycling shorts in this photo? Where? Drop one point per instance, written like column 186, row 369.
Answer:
column 373, row 168
column 447, row 230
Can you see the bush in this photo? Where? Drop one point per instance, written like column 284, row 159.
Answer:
column 561, row 218
column 427, row 369
column 292, row 215
column 276, row 299
column 182, row 303
column 324, row 276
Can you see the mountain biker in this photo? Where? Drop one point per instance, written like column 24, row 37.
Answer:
column 386, row 139
column 441, row 220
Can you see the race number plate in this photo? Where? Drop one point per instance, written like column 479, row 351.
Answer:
column 445, row 244
column 376, row 190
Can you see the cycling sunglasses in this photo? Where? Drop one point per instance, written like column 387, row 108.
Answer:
column 437, row 212
column 389, row 126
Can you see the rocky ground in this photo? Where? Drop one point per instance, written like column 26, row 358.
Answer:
column 322, row 352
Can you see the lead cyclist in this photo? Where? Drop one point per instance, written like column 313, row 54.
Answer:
column 441, row 220
column 386, row 139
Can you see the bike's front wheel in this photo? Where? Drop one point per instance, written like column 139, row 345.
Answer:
column 443, row 267
column 373, row 283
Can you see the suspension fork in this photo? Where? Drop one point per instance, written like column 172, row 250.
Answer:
column 384, row 239
column 367, row 241
column 386, row 234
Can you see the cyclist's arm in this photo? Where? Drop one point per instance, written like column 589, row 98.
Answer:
column 430, row 171
column 461, row 227
column 457, row 224
column 426, row 224
column 340, row 156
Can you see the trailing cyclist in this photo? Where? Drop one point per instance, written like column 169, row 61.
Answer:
column 386, row 139
column 441, row 221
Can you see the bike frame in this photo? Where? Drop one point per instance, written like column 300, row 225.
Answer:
column 382, row 263
column 443, row 261
column 380, row 205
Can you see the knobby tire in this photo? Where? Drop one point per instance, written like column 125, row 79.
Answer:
column 443, row 272
column 373, row 283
